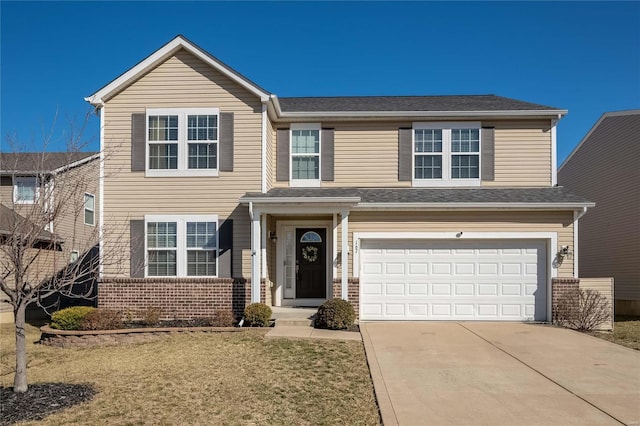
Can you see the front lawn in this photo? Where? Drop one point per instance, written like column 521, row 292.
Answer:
column 206, row 378
column 626, row 332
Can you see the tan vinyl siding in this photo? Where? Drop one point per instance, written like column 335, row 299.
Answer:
column 70, row 226
column 606, row 170
column 605, row 287
column 522, row 153
column 270, row 154
column 366, row 154
column 182, row 81
column 559, row 222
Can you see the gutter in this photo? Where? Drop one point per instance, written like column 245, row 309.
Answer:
column 299, row 200
column 473, row 206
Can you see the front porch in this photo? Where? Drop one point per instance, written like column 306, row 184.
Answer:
column 300, row 256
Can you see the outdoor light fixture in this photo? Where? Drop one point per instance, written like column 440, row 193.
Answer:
column 562, row 253
column 272, row 236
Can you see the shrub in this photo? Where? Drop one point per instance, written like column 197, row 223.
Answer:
column 335, row 314
column 70, row 318
column 257, row 315
column 102, row 319
column 582, row 310
column 224, row 319
column 151, row 315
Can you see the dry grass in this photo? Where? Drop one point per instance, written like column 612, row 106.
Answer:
column 218, row 378
column 626, row 332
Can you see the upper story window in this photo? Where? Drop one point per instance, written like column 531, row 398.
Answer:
column 305, row 154
column 182, row 141
column 446, row 154
column 89, row 209
column 181, row 246
column 25, row 189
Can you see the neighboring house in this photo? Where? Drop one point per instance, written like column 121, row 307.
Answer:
column 33, row 185
column 605, row 167
column 410, row 207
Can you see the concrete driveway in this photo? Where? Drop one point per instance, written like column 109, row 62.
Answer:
column 475, row 373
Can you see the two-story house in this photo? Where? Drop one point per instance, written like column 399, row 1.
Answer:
column 410, row 207
column 48, row 200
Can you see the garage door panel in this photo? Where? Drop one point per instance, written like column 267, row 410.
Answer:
column 496, row 280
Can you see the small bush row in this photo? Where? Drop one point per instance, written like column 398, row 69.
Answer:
column 88, row 318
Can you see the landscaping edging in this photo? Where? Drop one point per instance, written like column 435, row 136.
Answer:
column 83, row 338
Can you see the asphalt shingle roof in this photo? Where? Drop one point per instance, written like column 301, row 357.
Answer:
column 555, row 195
column 38, row 161
column 407, row 103
column 10, row 222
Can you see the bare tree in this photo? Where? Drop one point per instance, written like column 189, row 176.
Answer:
column 49, row 232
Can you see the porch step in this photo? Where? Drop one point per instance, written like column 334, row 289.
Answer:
column 294, row 316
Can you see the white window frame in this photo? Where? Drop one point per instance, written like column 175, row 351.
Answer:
column 74, row 256
column 181, row 242
column 305, row 182
column 183, row 143
column 36, row 195
column 93, row 197
column 446, row 179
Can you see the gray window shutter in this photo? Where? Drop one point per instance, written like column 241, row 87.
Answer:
column 225, row 249
column 405, row 148
column 225, row 158
column 326, row 139
column 282, row 155
column 487, row 153
column 137, row 248
column 138, row 141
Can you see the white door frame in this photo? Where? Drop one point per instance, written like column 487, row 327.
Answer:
column 281, row 226
column 550, row 237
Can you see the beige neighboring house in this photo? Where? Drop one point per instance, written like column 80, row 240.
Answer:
column 410, row 207
column 605, row 168
column 30, row 183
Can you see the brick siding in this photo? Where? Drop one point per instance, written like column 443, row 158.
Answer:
column 559, row 288
column 178, row 298
column 353, row 292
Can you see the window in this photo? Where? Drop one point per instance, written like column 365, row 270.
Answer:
column 74, row 256
column 305, row 155
column 25, row 189
column 89, row 209
column 182, row 142
column 311, row 237
column 446, row 154
column 181, row 246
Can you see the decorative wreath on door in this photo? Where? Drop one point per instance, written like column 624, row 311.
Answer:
column 310, row 253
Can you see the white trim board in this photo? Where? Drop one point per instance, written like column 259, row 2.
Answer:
column 151, row 61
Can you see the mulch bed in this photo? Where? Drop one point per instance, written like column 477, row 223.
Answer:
column 40, row 400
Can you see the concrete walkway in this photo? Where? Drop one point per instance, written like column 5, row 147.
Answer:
column 499, row 374
column 311, row 333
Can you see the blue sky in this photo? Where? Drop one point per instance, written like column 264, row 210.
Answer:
column 580, row 56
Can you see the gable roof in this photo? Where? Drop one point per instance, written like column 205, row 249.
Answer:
column 623, row 118
column 39, row 162
column 451, row 103
column 151, row 61
column 10, row 221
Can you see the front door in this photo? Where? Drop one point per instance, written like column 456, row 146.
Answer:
column 311, row 263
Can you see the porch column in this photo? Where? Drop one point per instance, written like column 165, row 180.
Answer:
column 256, row 251
column 345, row 254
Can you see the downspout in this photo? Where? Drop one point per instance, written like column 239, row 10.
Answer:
column 577, row 214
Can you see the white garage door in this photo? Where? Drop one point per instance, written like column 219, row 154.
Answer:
column 453, row 280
